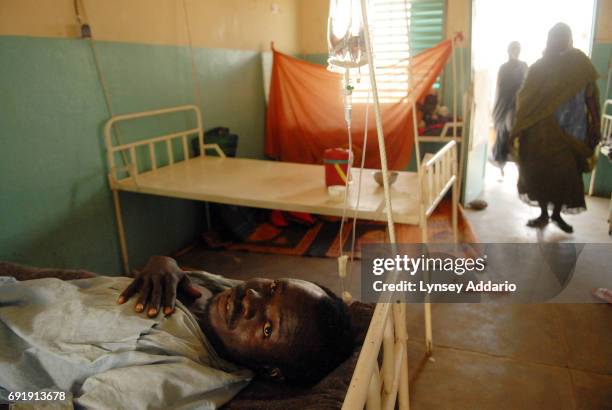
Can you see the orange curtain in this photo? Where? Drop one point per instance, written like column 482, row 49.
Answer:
column 306, row 115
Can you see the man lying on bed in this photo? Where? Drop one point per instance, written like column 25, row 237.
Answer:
column 82, row 336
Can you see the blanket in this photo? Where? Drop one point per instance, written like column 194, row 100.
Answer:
column 73, row 337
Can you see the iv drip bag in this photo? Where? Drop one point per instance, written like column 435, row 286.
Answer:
column 345, row 35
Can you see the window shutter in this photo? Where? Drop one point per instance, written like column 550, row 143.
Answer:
column 426, row 24
column 400, row 28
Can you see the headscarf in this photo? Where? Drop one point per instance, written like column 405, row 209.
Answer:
column 559, row 39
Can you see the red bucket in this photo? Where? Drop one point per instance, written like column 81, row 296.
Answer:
column 336, row 162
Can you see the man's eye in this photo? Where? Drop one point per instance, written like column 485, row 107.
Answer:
column 267, row 329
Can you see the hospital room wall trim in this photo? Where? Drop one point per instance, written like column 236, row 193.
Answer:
column 227, row 24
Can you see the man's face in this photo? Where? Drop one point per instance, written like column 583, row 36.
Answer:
column 266, row 321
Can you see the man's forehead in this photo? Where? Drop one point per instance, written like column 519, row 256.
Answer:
column 292, row 284
column 306, row 286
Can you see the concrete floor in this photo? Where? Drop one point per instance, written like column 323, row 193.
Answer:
column 549, row 356
column 507, row 214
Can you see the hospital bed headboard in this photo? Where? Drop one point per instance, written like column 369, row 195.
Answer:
column 128, row 151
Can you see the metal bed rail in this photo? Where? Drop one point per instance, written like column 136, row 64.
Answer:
column 606, row 122
column 605, row 144
column 166, row 140
column 380, row 387
column 446, row 134
column 437, row 176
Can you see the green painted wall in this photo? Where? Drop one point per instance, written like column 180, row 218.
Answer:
column 320, row 59
column 603, row 182
column 55, row 206
column 600, row 55
column 475, row 161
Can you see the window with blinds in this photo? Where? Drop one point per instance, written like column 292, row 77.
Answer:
column 426, row 24
column 399, row 28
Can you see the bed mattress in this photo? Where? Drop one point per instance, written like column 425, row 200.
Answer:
column 274, row 185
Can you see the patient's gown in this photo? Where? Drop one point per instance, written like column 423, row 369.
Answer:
column 72, row 336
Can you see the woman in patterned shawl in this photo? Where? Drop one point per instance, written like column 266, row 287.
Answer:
column 557, row 129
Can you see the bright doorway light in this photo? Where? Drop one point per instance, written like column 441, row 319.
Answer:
column 497, row 23
column 527, row 21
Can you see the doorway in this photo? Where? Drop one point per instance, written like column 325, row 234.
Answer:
column 494, row 25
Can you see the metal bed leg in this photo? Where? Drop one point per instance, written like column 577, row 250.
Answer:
column 121, row 233
column 428, row 332
column 423, row 226
column 426, row 305
column 593, row 174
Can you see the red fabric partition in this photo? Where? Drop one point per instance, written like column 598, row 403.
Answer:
column 306, row 115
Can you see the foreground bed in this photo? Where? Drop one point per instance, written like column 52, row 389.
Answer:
column 164, row 166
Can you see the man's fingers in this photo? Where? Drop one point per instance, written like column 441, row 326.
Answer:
column 143, row 295
column 170, row 284
column 188, row 288
column 129, row 291
column 156, row 292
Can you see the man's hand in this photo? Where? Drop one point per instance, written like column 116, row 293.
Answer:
column 157, row 285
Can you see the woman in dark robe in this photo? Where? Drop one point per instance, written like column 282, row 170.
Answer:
column 557, row 129
column 509, row 80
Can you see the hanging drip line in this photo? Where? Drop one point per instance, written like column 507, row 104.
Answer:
column 335, row 62
column 361, row 167
column 87, row 34
column 347, row 91
column 346, row 48
column 342, row 259
column 197, row 95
